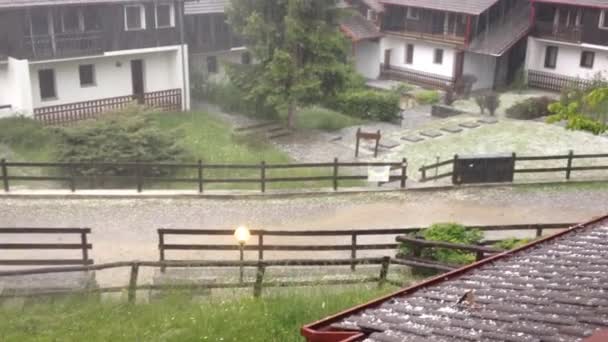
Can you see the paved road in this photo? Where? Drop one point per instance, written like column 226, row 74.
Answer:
column 125, row 229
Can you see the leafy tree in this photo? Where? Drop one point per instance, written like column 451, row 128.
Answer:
column 299, row 51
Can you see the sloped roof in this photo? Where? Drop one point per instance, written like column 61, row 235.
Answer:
column 374, row 5
column 33, row 3
column 588, row 3
column 552, row 290
column 473, row 7
column 205, row 6
column 358, row 28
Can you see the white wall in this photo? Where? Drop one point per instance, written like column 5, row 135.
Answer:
column 423, row 55
column 482, row 66
column 162, row 70
column 15, row 87
column 367, row 58
column 568, row 59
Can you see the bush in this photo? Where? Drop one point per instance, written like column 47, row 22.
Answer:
column 531, row 108
column 428, row 97
column 511, row 243
column 481, row 103
column 24, row 132
column 447, row 232
column 492, row 102
column 231, row 99
column 324, row 119
column 368, row 104
column 126, row 136
column 582, row 123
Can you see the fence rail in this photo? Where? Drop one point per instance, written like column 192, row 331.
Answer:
column 567, row 169
column 140, row 173
column 417, row 77
column 555, row 82
column 167, row 100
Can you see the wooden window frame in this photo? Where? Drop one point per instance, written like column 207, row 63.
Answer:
column 409, row 14
column 438, row 53
column 54, row 82
column 582, row 62
column 93, row 82
column 548, row 64
column 80, row 16
column 603, row 24
column 171, row 15
column 215, row 68
column 409, row 57
column 142, row 17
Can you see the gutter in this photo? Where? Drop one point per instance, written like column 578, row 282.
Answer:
column 320, row 331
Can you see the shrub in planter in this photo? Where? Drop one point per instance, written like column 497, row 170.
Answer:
column 368, row 104
column 428, row 97
column 531, row 108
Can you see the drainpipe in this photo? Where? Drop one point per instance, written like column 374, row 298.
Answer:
column 185, row 87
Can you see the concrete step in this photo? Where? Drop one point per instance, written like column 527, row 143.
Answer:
column 257, row 126
column 279, row 134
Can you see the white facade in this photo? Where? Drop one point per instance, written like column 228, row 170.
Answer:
column 483, row 67
column 162, row 70
column 568, row 62
column 367, row 58
column 423, row 57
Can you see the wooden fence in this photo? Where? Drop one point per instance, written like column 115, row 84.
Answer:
column 140, row 173
column 555, row 82
column 167, row 100
column 417, row 77
column 440, row 171
column 353, row 247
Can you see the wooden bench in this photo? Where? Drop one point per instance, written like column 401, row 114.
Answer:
column 14, row 286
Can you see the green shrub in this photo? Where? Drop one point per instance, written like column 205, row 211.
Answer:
column 427, row 97
column 324, row 119
column 126, row 137
column 492, row 102
column 481, row 103
column 403, row 88
column 582, row 123
column 24, row 132
column 575, row 120
column 531, row 108
column 368, row 104
column 447, row 232
column 511, row 243
column 231, row 99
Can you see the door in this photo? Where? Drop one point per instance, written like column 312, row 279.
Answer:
column 137, row 80
column 387, row 59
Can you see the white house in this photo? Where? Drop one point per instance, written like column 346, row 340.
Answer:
column 569, row 43
column 437, row 43
column 70, row 60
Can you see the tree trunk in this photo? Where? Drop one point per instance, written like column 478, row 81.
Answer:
column 291, row 115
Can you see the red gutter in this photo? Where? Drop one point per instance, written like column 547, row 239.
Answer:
column 320, row 331
column 558, row 2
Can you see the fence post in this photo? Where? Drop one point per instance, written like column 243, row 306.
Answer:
column 403, row 173
column 132, row 292
column 138, row 176
column 455, row 178
column 85, row 250
column 335, row 174
column 353, row 251
column 4, row 175
column 161, row 250
column 200, row 176
column 259, row 280
column 261, row 246
column 479, row 256
column 539, row 231
column 569, row 167
column 72, row 178
column 263, row 176
column 423, row 170
column 357, row 144
column 384, row 271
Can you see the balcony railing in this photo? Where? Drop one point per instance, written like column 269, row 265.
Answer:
column 546, row 29
column 63, row 45
column 427, row 29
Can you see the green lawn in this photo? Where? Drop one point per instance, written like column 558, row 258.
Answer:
column 324, row 119
column 273, row 318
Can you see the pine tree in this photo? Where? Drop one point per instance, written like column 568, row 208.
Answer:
column 300, row 54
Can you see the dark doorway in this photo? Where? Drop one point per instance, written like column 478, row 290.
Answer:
column 387, row 58
column 137, row 79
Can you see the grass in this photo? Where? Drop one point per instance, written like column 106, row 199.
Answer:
column 273, row 318
column 26, row 139
column 325, row 119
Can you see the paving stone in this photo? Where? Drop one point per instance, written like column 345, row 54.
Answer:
column 431, row 134
column 488, row 121
column 412, row 138
column 451, row 129
column 469, row 124
column 388, row 143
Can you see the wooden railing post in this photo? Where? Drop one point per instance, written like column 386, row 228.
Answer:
column 4, row 175
column 423, row 170
column 261, row 246
column 539, row 231
column 357, row 144
column 85, row 250
column 569, row 166
column 353, row 251
column 479, row 256
column 455, row 178
column 335, row 174
column 259, row 280
column 161, row 250
column 138, row 177
column 200, row 176
column 132, row 291
column 403, row 173
column 263, row 176
column 384, row 271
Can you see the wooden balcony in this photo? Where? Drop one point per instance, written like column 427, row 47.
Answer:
column 428, row 30
column 547, row 30
column 63, row 45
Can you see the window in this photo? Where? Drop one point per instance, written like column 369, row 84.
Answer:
column 46, row 81
column 371, row 15
column 135, row 17
column 71, row 19
column 165, row 16
column 413, row 13
column 587, row 58
column 409, row 54
column 246, row 58
column 212, row 64
column 39, row 22
column 87, row 75
column 438, row 58
column 551, row 57
column 604, row 20
column 91, row 18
